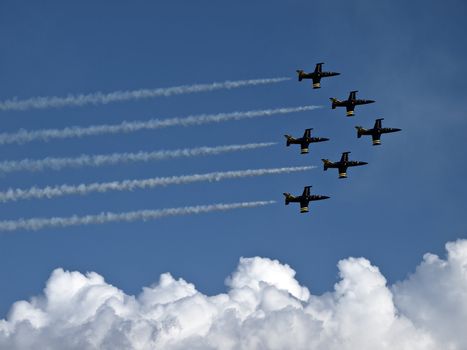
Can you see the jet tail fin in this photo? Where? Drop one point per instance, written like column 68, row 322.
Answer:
column 289, row 140
column 359, row 131
column 319, row 67
column 326, row 163
column 300, row 74
column 334, row 102
column 287, row 198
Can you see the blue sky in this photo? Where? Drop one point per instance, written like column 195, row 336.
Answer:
column 409, row 200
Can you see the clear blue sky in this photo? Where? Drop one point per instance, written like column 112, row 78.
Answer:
column 411, row 198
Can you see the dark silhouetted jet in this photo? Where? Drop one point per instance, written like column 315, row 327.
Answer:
column 376, row 132
column 316, row 75
column 350, row 103
column 304, row 141
column 342, row 165
column 304, row 199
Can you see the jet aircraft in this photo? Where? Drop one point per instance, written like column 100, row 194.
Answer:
column 342, row 165
column 304, row 199
column 304, row 141
column 375, row 132
column 350, row 103
column 316, row 75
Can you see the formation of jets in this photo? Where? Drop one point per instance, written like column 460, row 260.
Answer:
column 344, row 163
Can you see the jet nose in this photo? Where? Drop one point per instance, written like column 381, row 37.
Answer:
column 371, row 101
column 320, row 197
column 363, row 163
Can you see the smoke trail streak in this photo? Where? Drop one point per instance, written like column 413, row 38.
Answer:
column 110, row 159
column 130, row 185
column 23, row 136
column 118, row 96
column 105, row 217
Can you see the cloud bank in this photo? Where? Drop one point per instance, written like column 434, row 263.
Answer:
column 265, row 307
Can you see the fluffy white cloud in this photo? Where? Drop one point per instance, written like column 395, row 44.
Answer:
column 435, row 296
column 265, row 307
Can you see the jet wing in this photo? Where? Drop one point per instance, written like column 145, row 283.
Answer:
column 304, row 206
column 345, row 157
column 306, row 192
column 353, row 95
column 378, row 124
column 376, row 138
column 307, row 133
column 316, row 82
column 319, row 67
column 304, row 147
column 342, row 172
column 350, row 110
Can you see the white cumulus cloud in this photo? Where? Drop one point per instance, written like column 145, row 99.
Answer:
column 265, row 307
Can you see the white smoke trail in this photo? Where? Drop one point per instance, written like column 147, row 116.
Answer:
column 118, row 96
column 109, row 159
column 23, row 136
column 130, row 185
column 105, row 217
